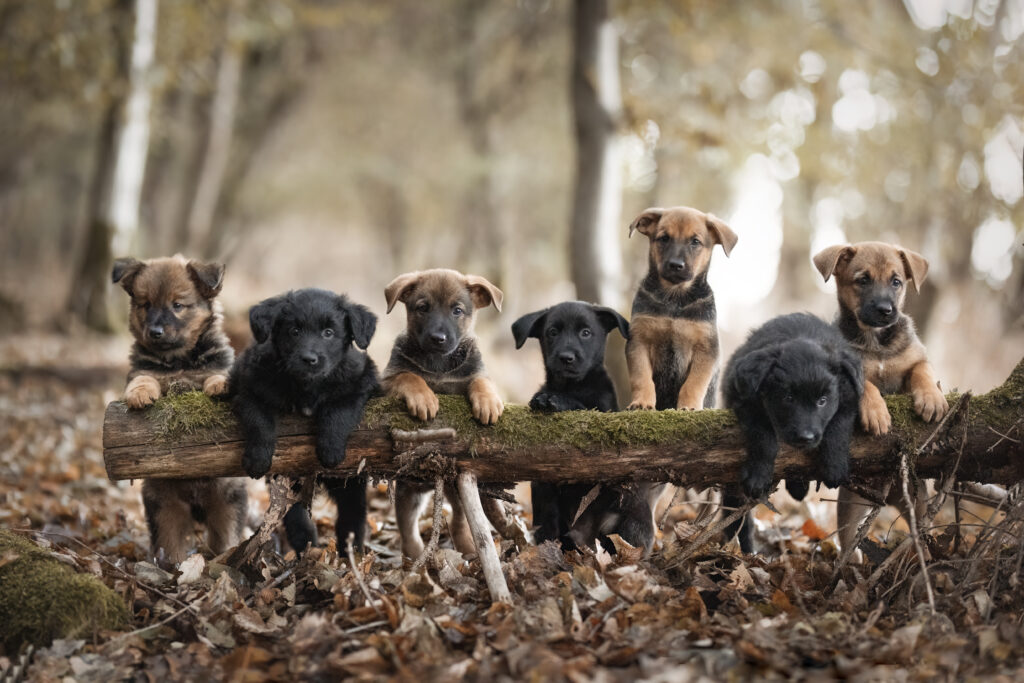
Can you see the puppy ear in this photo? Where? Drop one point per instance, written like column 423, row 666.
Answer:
column 915, row 267
column 399, row 288
column 828, row 259
column 752, row 369
column 361, row 321
column 483, row 292
column 530, row 325
column 611, row 319
column 207, row 277
column 646, row 222
column 262, row 315
column 125, row 271
column 851, row 366
column 722, row 233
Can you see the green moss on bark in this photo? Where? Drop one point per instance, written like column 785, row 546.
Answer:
column 42, row 598
column 188, row 413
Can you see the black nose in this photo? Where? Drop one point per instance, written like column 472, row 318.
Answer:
column 884, row 307
column 310, row 358
column 807, row 437
column 439, row 338
column 567, row 358
column 676, row 266
column 156, row 331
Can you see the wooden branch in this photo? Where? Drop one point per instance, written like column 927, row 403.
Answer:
column 191, row 436
column 478, row 526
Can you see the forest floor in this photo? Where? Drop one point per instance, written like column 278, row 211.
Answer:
column 714, row 614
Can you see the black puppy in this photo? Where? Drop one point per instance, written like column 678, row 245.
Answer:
column 303, row 360
column 795, row 379
column 572, row 341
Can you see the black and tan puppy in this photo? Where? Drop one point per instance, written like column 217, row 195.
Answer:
column 438, row 353
column 798, row 381
column 871, row 280
column 572, row 340
column 307, row 358
column 179, row 346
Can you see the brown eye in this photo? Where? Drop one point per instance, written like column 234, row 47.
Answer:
column 422, row 307
column 695, row 242
column 177, row 306
column 457, row 311
column 327, row 333
column 896, row 283
column 864, row 280
column 585, row 332
column 822, row 401
column 662, row 239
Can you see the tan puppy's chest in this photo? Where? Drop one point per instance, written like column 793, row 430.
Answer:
column 889, row 373
column 683, row 338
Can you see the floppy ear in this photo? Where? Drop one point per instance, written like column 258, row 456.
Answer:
column 752, row 369
column 530, row 325
column 262, row 315
column 610, row 319
column 125, row 271
column 915, row 267
column 208, row 277
column 398, row 289
column 852, row 367
column 483, row 292
column 646, row 222
column 362, row 322
column 723, row 233
column 829, row 258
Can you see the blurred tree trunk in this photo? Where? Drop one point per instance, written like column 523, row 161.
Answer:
column 87, row 300
column 594, row 254
column 216, row 154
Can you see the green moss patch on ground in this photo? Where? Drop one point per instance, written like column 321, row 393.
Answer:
column 41, row 598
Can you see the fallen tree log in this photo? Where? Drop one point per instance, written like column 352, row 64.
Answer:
column 191, row 436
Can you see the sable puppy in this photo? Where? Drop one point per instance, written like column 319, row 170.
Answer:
column 438, row 353
column 798, row 381
column 572, row 341
column 179, row 346
column 305, row 360
column 673, row 350
column 871, row 282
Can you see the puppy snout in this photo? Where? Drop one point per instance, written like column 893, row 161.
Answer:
column 156, row 331
column 676, row 265
column 310, row 358
column 567, row 358
column 438, row 338
column 884, row 307
column 808, row 437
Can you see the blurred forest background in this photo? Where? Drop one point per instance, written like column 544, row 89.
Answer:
column 337, row 144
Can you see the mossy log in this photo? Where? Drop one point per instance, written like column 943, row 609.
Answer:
column 192, row 436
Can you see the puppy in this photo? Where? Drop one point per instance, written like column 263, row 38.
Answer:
column 179, row 346
column 795, row 380
column 438, row 353
column 673, row 352
column 307, row 357
column 572, row 341
column 871, row 287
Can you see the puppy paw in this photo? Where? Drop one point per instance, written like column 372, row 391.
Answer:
column 215, row 385
column 422, row 404
column 797, row 488
column 256, row 460
column 543, row 402
column 141, row 392
column 836, row 475
column 689, row 404
column 874, row 415
column 756, row 481
column 930, row 403
column 330, row 454
column 487, row 407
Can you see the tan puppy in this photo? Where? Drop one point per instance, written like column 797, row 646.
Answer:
column 871, row 279
column 438, row 353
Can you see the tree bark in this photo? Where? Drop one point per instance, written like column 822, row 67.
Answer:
column 597, row 203
column 696, row 449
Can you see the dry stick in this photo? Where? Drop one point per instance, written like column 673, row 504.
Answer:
column 712, row 529
column 862, row 532
column 489, row 562
column 359, row 577
column 905, row 478
column 435, row 529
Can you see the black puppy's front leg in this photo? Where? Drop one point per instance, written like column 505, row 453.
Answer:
column 259, row 428
column 552, row 402
column 335, row 421
column 834, row 451
column 758, row 472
